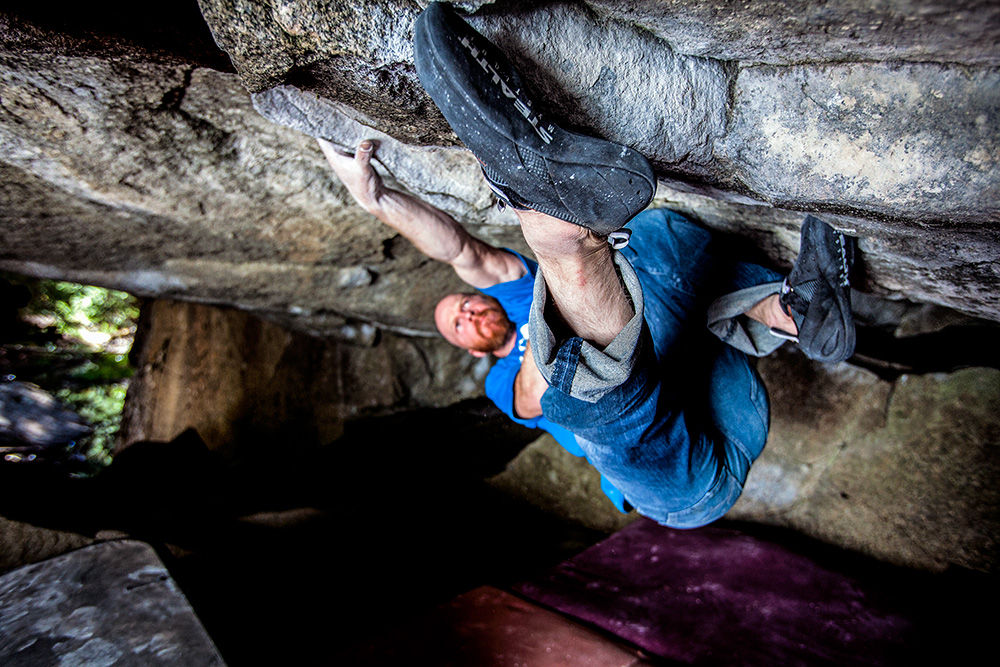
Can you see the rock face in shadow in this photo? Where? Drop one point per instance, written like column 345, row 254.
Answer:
column 112, row 603
column 22, row 543
column 139, row 162
column 901, row 471
column 245, row 385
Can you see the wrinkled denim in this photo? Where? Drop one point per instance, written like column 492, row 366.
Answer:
column 668, row 413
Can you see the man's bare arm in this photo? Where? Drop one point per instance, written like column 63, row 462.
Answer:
column 432, row 231
column 529, row 385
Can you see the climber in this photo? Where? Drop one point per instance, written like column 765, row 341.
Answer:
column 603, row 342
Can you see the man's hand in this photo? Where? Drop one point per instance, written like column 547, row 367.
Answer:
column 357, row 173
column 432, row 231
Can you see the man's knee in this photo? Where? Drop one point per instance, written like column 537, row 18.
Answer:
column 663, row 221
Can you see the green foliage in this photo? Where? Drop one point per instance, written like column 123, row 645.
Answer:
column 101, row 405
column 79, row 345
column 80, row 308
column 98, row 368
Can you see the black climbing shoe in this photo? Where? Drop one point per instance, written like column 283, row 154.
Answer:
column 528, row 160
column 505, row 195
column 817, row 293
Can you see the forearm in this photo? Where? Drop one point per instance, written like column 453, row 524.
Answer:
column 433, row 232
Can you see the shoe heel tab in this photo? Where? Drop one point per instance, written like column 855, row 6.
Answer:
column 619, row 239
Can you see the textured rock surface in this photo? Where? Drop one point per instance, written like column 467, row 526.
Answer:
column 359, row 53
column 150, row 170
column 787, row 32
column 901, row 471
column 243, row 383
column 163, row 181
column 463, row 193
column 918, row 142
column 631, row 85
column 109, row 604
column 547, row 476
column 21, row 543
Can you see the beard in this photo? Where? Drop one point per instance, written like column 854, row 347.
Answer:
column 495, row 329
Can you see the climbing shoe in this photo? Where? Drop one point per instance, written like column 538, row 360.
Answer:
column 817, row 293
column 529, row 161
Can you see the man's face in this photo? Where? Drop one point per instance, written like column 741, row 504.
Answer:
column 475, row 322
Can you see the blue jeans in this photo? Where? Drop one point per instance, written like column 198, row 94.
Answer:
column 668, row 413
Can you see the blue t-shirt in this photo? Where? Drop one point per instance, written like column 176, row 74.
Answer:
column 515, row 297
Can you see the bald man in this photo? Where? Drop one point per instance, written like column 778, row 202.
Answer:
column 607, row 341
column 678, row 277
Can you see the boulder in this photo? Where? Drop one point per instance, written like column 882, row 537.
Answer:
column 789, row 32
column 138, row 162
column 244, row 384
column 900, row 471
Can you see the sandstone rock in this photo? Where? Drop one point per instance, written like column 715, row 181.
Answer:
column 22, row 543
column 111, row 603
column 141, row 171
column 359, row 53
column 548, row 477
column 901, row 153
column 163, row 181
column 902, row 471
column 788, row 32
column 610, row 77
column 448, row 178
column 912, row 141
column 954, row 268
column 243, row 383
column 629, row 85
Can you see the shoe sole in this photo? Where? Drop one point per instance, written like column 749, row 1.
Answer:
column 590, row 182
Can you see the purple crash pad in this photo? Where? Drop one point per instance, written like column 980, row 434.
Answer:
column 718, row 596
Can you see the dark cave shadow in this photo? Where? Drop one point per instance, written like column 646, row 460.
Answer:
column 416, row 450
column 431, row 455
column 389, row 520
column 388, row 545
column 947, row 350
column 176, row 29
